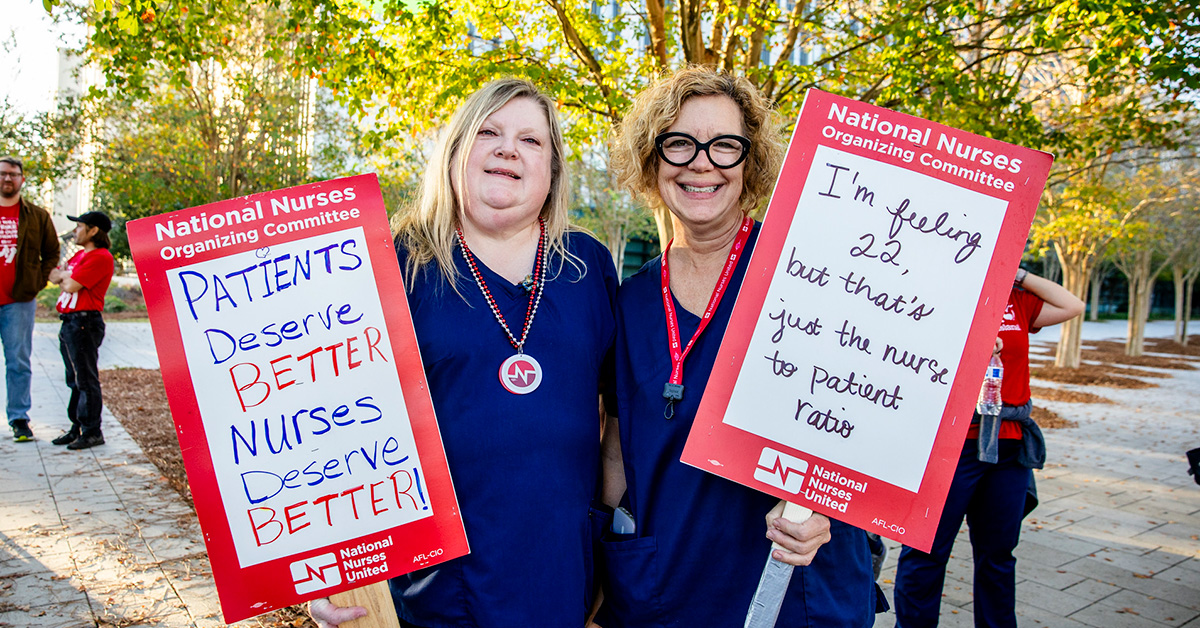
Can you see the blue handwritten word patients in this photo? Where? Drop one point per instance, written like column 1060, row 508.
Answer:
column 296, row 381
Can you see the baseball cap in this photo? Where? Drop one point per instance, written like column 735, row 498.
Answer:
column 94, row 219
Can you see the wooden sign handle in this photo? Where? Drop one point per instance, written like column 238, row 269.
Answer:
column 377, row 599
column 794, row 513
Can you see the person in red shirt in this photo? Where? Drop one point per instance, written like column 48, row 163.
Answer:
column 28, row 252
column 993, row 474
column 84, row 280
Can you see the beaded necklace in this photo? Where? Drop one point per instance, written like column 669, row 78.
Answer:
column 520, row 374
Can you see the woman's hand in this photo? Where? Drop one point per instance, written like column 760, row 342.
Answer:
column 800, row 541
column 329, row 616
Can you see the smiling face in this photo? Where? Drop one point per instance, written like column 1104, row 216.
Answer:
column 699, row 193
column 508, row 168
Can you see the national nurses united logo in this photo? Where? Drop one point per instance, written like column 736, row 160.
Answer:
column 315, row 573
column 781, row 470
column 520, row 374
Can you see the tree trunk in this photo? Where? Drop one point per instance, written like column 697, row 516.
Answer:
column 1181, row 314
column 1141, row 284
column 666, row 230
column 1075, row 279
column 1096, row 282
column 1187, row 303
column 1051, row 265
column 616, row 246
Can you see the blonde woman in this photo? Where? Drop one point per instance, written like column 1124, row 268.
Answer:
column 514, row 316
column 706, row 146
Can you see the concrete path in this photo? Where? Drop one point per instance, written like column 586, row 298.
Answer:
column 1114, row 542
column 97, row 538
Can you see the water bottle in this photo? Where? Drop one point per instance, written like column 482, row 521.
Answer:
column 989, row 395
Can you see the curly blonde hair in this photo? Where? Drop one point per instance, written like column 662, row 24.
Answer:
column 634, row 162
column 426, row 227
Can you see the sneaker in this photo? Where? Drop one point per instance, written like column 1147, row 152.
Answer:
column 67, row 438
column 83, row 442
column 21, row 431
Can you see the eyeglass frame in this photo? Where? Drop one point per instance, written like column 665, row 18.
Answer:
column 12, row 176
column 702, row 146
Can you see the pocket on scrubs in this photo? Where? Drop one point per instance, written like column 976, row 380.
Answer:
column 599, row 519
column 632, row 590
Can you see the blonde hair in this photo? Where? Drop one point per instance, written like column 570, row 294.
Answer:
column 426, row 227
column 632, row 157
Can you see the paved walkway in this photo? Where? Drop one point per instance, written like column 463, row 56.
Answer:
column 97, row 538
column 1114, row 541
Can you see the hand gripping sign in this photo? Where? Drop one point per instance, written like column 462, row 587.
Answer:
column 851, row 365
column 295, row 382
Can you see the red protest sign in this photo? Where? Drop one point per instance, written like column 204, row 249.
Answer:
column 852, row 362
column 296, row 385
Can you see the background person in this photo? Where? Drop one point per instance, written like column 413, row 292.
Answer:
column 28, row 252
column 84, row 280
column 705, row 146
column 990, row 483
column 493, row 270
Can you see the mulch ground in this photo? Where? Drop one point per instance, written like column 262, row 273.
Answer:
column 138, row 398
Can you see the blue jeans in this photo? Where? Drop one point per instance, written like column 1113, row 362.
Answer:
column 79, row 341
column 16, row 334
column 992, row 497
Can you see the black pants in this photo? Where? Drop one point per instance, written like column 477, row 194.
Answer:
column 79, row 341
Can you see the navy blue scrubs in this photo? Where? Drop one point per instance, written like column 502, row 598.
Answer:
column 700, row 543
column 525, row 467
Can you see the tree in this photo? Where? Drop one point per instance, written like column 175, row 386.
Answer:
column 984, row 67
column 45, row 142
column 1135, row 256
column 1079, row 222
column 1184, row 272
column 1183, row 238
column 240, row 123
column 1100, row 272
column 609, row 213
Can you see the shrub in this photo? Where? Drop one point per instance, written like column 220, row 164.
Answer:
column 48, row 297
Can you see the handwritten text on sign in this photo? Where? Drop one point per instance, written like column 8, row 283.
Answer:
column 859, row 335
column 305, row 452
column 850, row 367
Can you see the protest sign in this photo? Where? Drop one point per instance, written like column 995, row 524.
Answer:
column 852, row 362
column 297, row 390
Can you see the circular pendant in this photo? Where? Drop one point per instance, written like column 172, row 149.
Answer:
column 520, row 374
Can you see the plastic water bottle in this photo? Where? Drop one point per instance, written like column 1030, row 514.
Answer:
column 989, row 395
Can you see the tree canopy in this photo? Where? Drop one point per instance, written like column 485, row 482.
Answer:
column 1078, row 78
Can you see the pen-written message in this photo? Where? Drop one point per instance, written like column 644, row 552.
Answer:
column 296, row 386
column 863, row 326
column 848, row 373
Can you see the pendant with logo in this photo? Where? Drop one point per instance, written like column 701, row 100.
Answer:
column 520, row 374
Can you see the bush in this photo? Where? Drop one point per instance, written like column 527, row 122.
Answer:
column 114, row 304
column 48, row 297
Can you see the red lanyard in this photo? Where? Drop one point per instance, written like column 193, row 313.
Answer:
column 673, row 391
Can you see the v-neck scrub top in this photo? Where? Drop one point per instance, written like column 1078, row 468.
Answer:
column 525, row 467
column 700, row 543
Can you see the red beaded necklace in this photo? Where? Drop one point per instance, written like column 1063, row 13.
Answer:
column 519, row 374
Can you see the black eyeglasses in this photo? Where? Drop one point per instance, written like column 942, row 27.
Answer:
column 680, row 149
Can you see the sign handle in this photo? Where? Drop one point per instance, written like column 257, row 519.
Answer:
column 377, row 599
column 794, row 513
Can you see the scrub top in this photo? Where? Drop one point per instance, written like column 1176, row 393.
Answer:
column 700, row 541
column 525, row 467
